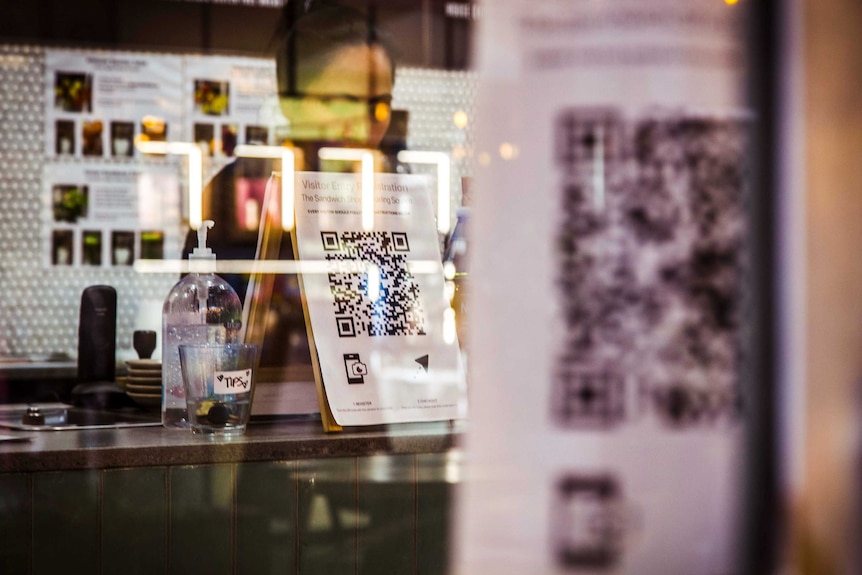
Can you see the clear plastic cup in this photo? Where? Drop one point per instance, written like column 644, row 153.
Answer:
column 218, row 380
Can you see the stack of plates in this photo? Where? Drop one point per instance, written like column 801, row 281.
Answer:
column 144, row 383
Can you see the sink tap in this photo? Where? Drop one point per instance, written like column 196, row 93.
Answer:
column 34, row 416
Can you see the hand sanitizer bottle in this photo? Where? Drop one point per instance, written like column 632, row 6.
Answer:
column 200, row 308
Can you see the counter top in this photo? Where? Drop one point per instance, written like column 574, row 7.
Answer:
column 157, row 446
column 37, row 369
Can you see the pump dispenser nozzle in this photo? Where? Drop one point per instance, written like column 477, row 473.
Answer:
column 202, row 252
column 202, row 258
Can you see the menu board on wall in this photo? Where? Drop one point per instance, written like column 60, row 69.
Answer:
column 98, row 102
column 230, row 101
column 110, row 215
column 376, row 304
column 609, row 243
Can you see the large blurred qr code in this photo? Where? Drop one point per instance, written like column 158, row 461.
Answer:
column 651, row 259
column 374, row 293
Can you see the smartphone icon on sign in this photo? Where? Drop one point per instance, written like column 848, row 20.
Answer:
column 356, row 370
column 588, row 523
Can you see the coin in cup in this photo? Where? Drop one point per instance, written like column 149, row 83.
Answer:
column 218, row 381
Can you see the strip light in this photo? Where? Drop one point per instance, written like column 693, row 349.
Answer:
column 366, row 157
column 288, row 171
column 195, row 159
column 267, row 266
column 441, row 159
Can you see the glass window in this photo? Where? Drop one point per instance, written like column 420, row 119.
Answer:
column 130, row 123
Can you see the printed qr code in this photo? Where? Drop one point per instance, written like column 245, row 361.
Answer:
column 374, row 292
column 650, row 252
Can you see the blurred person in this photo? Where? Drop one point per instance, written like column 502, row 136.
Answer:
column 335, row 73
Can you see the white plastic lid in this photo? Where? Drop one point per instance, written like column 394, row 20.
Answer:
column 202, row 252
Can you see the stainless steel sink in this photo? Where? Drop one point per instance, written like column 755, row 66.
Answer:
column 62, row 417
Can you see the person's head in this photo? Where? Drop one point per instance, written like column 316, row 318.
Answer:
column 335, row 73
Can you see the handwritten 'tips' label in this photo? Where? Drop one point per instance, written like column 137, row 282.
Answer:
column 232, row 382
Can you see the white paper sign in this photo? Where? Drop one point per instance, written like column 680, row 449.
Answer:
column 109, row 215
column 97, row 103
column 232, row 382
column 376, row 300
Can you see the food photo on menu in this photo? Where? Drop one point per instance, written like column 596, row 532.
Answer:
column 64, row 140
column 152, row 245
column 91, row 244
column 62, row 246
column 69, row 202
column 256, row 135
column 212, row 97
column 228, row 139
column 91, row 138
column 154, row 129
column 205, row 135
column 122, row 138
column 122, row 248
column 73, row 92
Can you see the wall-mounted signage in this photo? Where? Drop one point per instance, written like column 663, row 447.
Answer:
column 230, row 102
column 97, row 103
column 110, row 215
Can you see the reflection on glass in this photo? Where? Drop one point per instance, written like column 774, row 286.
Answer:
column 460, row 119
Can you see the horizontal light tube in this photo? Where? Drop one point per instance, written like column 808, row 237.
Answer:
column 268, row 266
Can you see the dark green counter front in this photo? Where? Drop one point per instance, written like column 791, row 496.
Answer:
column 284, row 499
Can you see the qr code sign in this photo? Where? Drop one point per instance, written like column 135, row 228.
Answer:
column 651, row 263
column 374, row 293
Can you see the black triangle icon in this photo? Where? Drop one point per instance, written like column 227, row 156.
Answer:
column 423, row 361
